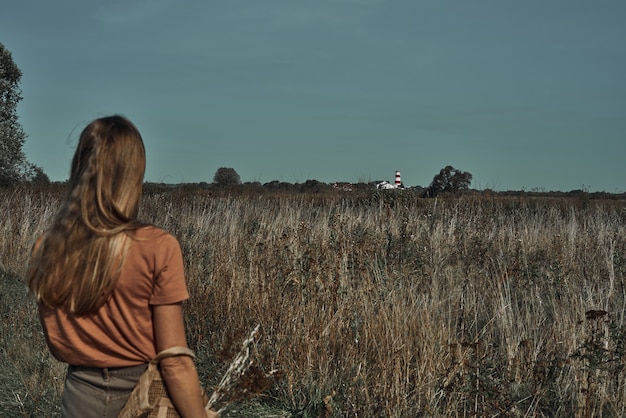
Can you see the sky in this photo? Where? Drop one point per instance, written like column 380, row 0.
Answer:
column 524, row 95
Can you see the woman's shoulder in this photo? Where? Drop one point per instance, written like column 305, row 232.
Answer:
column 154, row 234
column 155, row 245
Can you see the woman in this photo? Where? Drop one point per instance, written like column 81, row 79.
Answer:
column 109, row 288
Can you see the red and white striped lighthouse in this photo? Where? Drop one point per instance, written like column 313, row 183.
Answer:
column 398, row 181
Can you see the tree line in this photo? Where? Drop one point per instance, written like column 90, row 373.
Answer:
column 449, row 180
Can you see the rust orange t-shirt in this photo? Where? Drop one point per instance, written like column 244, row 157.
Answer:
column 121, row 333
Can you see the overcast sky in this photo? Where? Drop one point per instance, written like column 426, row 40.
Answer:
column 525, row 95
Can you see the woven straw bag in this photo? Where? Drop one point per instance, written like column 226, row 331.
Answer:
column 150, row 397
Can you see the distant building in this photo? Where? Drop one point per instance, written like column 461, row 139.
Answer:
column 397, row 184
column 385, row 185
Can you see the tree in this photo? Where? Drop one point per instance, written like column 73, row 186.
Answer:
column 35, row 175
column 226, row 177
column 449, row 180
column 13, row 164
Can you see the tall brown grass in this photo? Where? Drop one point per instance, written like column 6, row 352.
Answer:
column 372, row 305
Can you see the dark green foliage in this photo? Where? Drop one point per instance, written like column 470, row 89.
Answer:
column 314, row 186
column 449, row 180
column 13, row 164
column 226, row 177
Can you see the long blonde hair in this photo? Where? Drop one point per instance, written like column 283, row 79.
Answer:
column 77, row 262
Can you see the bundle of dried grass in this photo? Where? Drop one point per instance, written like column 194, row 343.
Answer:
column 242, row 380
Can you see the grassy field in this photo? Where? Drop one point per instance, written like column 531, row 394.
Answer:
column 371, row 305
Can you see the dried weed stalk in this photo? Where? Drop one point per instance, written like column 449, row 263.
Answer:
column 241, row 380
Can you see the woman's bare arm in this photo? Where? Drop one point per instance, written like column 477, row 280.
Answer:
column 179, row 373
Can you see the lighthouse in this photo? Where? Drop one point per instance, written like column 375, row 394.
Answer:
column 398, row 181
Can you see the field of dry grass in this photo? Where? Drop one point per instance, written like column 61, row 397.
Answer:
column 371, row 305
